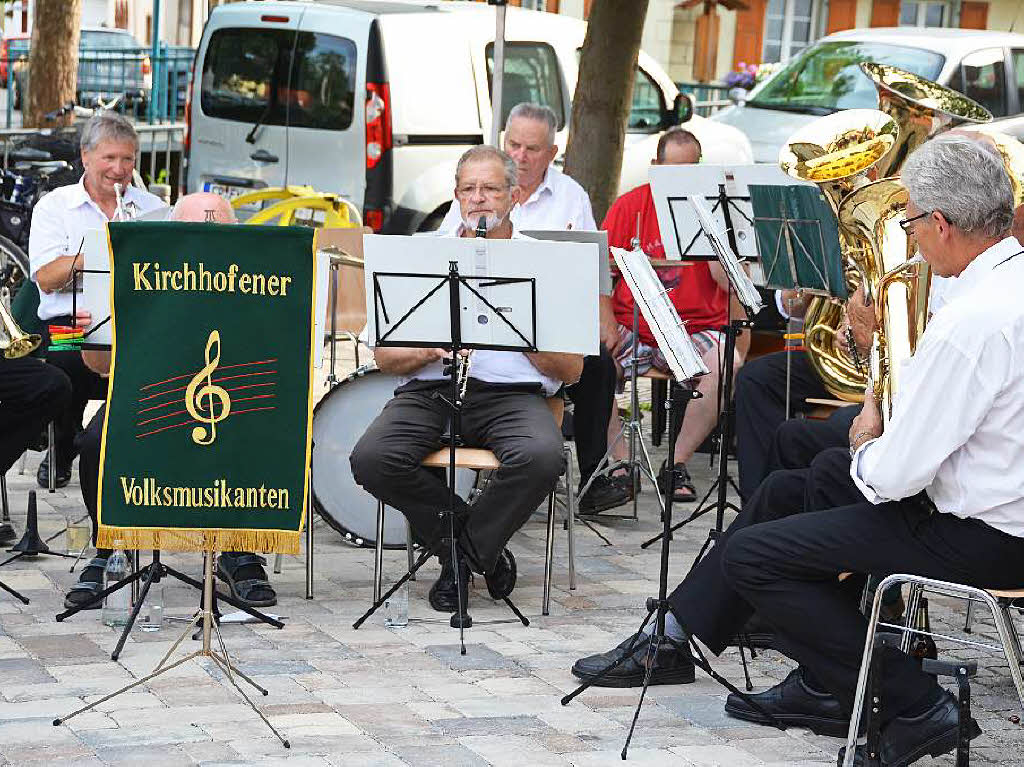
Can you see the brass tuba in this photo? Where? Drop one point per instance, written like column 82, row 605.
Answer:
column 14, row 342
column 869, row 235
column 838, row 152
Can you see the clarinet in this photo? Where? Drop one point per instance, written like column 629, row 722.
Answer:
column 465, row 361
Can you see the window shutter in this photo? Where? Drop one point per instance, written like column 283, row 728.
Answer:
column 885, row 13
column 842, row 14
column 973, row 15
column 749, row 42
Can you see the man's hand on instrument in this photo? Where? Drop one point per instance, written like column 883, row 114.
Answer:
column 868, row 423
column 860, row 318
column 83, row 318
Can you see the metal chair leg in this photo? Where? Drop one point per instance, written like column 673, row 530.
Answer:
column 913, row 602
column 51, row 453
column 549, row 554
column 570, row 510
column 378, row 553
column 1011, row 643
column 278, row 560
column 969, row 620
column 409, row 549
column 23, row 464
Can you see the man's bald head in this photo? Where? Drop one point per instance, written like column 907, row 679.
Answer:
column 203, row 206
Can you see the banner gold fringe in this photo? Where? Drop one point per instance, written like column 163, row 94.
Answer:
column 164, row 539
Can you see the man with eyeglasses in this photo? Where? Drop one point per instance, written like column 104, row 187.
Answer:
column 550, row 199
column 504, row 411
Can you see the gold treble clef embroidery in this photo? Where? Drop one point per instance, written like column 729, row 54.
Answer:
column 197, row 390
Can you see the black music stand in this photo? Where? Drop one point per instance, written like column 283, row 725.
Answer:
column 723, row 439
column 680, row 392
column 454, row 282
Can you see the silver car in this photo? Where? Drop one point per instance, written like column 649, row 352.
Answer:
column 825, row 78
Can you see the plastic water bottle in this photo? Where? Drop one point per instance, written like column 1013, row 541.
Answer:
column 116, row 606
column 396, row 608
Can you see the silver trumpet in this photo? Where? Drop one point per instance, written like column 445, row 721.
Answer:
column 123, row 212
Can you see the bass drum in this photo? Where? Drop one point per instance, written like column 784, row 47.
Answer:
column 339, row 420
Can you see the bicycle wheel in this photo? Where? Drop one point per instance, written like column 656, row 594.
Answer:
column 14, row 268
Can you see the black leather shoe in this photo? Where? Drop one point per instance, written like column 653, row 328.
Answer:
column 442, row 594
column 908, row 738
column 502, row 577
column 671, row 666
column 603, row 494
column 792, row 702
column 43, row 474
column 685, row 491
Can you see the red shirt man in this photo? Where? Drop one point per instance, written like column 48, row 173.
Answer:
column 698, row 299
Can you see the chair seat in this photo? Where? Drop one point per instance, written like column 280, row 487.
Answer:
column 656, row 374
column 823, row 408
column 465, row 458
column 1006, row 594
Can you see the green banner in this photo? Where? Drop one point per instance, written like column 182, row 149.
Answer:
column 207, row 433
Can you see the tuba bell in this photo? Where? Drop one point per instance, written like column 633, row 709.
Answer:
column 839, row 153
column 14, row 342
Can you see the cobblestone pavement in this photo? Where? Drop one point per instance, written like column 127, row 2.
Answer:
column 382, row 696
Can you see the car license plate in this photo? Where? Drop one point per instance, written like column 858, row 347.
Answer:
column 229, row 192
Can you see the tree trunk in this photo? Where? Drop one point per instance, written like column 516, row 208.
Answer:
column 53, row 60
column 604, row 92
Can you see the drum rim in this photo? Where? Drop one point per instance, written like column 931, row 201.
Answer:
column 349, row 536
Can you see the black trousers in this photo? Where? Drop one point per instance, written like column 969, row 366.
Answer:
column 32, row 394
column 592, row 397
column 85, row 385
column 786, row 570
column 88, row 446
column 798, row 440
column 517, row 426
column 761, row 407
column 705, row 603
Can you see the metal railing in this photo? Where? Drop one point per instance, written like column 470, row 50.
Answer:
column 152, row 89
column 707, row 98
column 159, row 159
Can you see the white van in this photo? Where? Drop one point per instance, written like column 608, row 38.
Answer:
column 375, row 100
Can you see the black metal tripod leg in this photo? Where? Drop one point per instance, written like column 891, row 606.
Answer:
column 427, row 554
column 611, row 666
column 13, row 593
column 100, row 596
column 652, row 652
column 152, row 575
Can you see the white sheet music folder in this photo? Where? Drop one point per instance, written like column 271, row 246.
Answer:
column 556, row 280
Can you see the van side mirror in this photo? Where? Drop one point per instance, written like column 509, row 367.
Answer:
column 682, row 110
column 738, row 96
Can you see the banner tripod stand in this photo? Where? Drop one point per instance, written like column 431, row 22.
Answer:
column 150, row 574
column 220, row 659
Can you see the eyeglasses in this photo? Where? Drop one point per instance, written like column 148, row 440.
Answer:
column 905, row 223
column 488, row 190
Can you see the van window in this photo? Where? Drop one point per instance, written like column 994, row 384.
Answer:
column 983, row 78
column 1018, row 70
column 531, row 74
column 826, row 77
column 246, row 78
column 648, row 105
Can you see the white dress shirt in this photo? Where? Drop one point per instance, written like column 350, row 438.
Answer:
column 59, row 222
column 558, row 203
column 487, row 365
column 957, row 426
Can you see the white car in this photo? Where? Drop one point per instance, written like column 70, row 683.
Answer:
column 375, row 100
column 983, row 65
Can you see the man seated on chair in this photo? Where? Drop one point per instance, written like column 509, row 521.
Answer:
column 699, row 290
column 504, row 411
column 59, row 222
column 242, row 571
column 550, row 199
column 940, row 501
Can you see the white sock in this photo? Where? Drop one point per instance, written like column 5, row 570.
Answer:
column 673, row 628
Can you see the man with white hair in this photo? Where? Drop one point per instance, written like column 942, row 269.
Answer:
column 241, row 570
column 942, row 498
column 59, row 223
column 552, row 200
column 503, row 411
